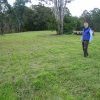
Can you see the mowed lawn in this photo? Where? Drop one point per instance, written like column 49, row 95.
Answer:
column 45, row 66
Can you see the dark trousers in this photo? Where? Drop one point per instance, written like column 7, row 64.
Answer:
column 85, row 44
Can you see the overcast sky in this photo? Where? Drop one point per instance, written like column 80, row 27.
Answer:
column 77, row 6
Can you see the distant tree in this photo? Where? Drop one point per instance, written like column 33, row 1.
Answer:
column 43, row 18
column 93, row 18
column 3, row 9
column 58, row 9
column 71, row 23
column 95, row 13
column 86, row 16
column 19, row 7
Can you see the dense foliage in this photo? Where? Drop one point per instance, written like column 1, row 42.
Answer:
column 20, row 18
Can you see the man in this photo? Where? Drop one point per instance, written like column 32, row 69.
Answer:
column 87, row 36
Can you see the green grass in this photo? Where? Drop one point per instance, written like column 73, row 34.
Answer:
column 45, row 66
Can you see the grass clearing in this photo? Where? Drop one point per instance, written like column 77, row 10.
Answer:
column 43, row 66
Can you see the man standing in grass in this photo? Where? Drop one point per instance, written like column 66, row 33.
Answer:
column 87, row 36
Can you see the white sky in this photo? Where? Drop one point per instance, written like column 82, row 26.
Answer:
column 77, row 6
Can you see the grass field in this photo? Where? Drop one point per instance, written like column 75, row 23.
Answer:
column 44, row 66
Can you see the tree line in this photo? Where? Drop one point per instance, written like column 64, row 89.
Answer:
column 20, row 18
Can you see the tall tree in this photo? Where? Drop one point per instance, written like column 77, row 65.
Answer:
column 19, row 7
column 58, row 9
column 3, row 9
column 43, row 18
column 95, row 13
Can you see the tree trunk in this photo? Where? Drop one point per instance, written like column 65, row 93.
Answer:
column 60, row 18
column 2, row 25
column 2, row 29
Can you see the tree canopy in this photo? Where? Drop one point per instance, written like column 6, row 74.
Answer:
column 20, row 18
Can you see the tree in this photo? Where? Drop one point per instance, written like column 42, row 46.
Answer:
column 93, row 18
column 58, row 9
column 19, row 7
column 86, row 16
column 38, row 18
column 43, row 18
column 3, row 9
column 95, row 14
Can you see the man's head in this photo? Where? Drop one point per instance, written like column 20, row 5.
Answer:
column 86, row 25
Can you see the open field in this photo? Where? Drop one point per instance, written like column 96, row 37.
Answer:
column 45, row 66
